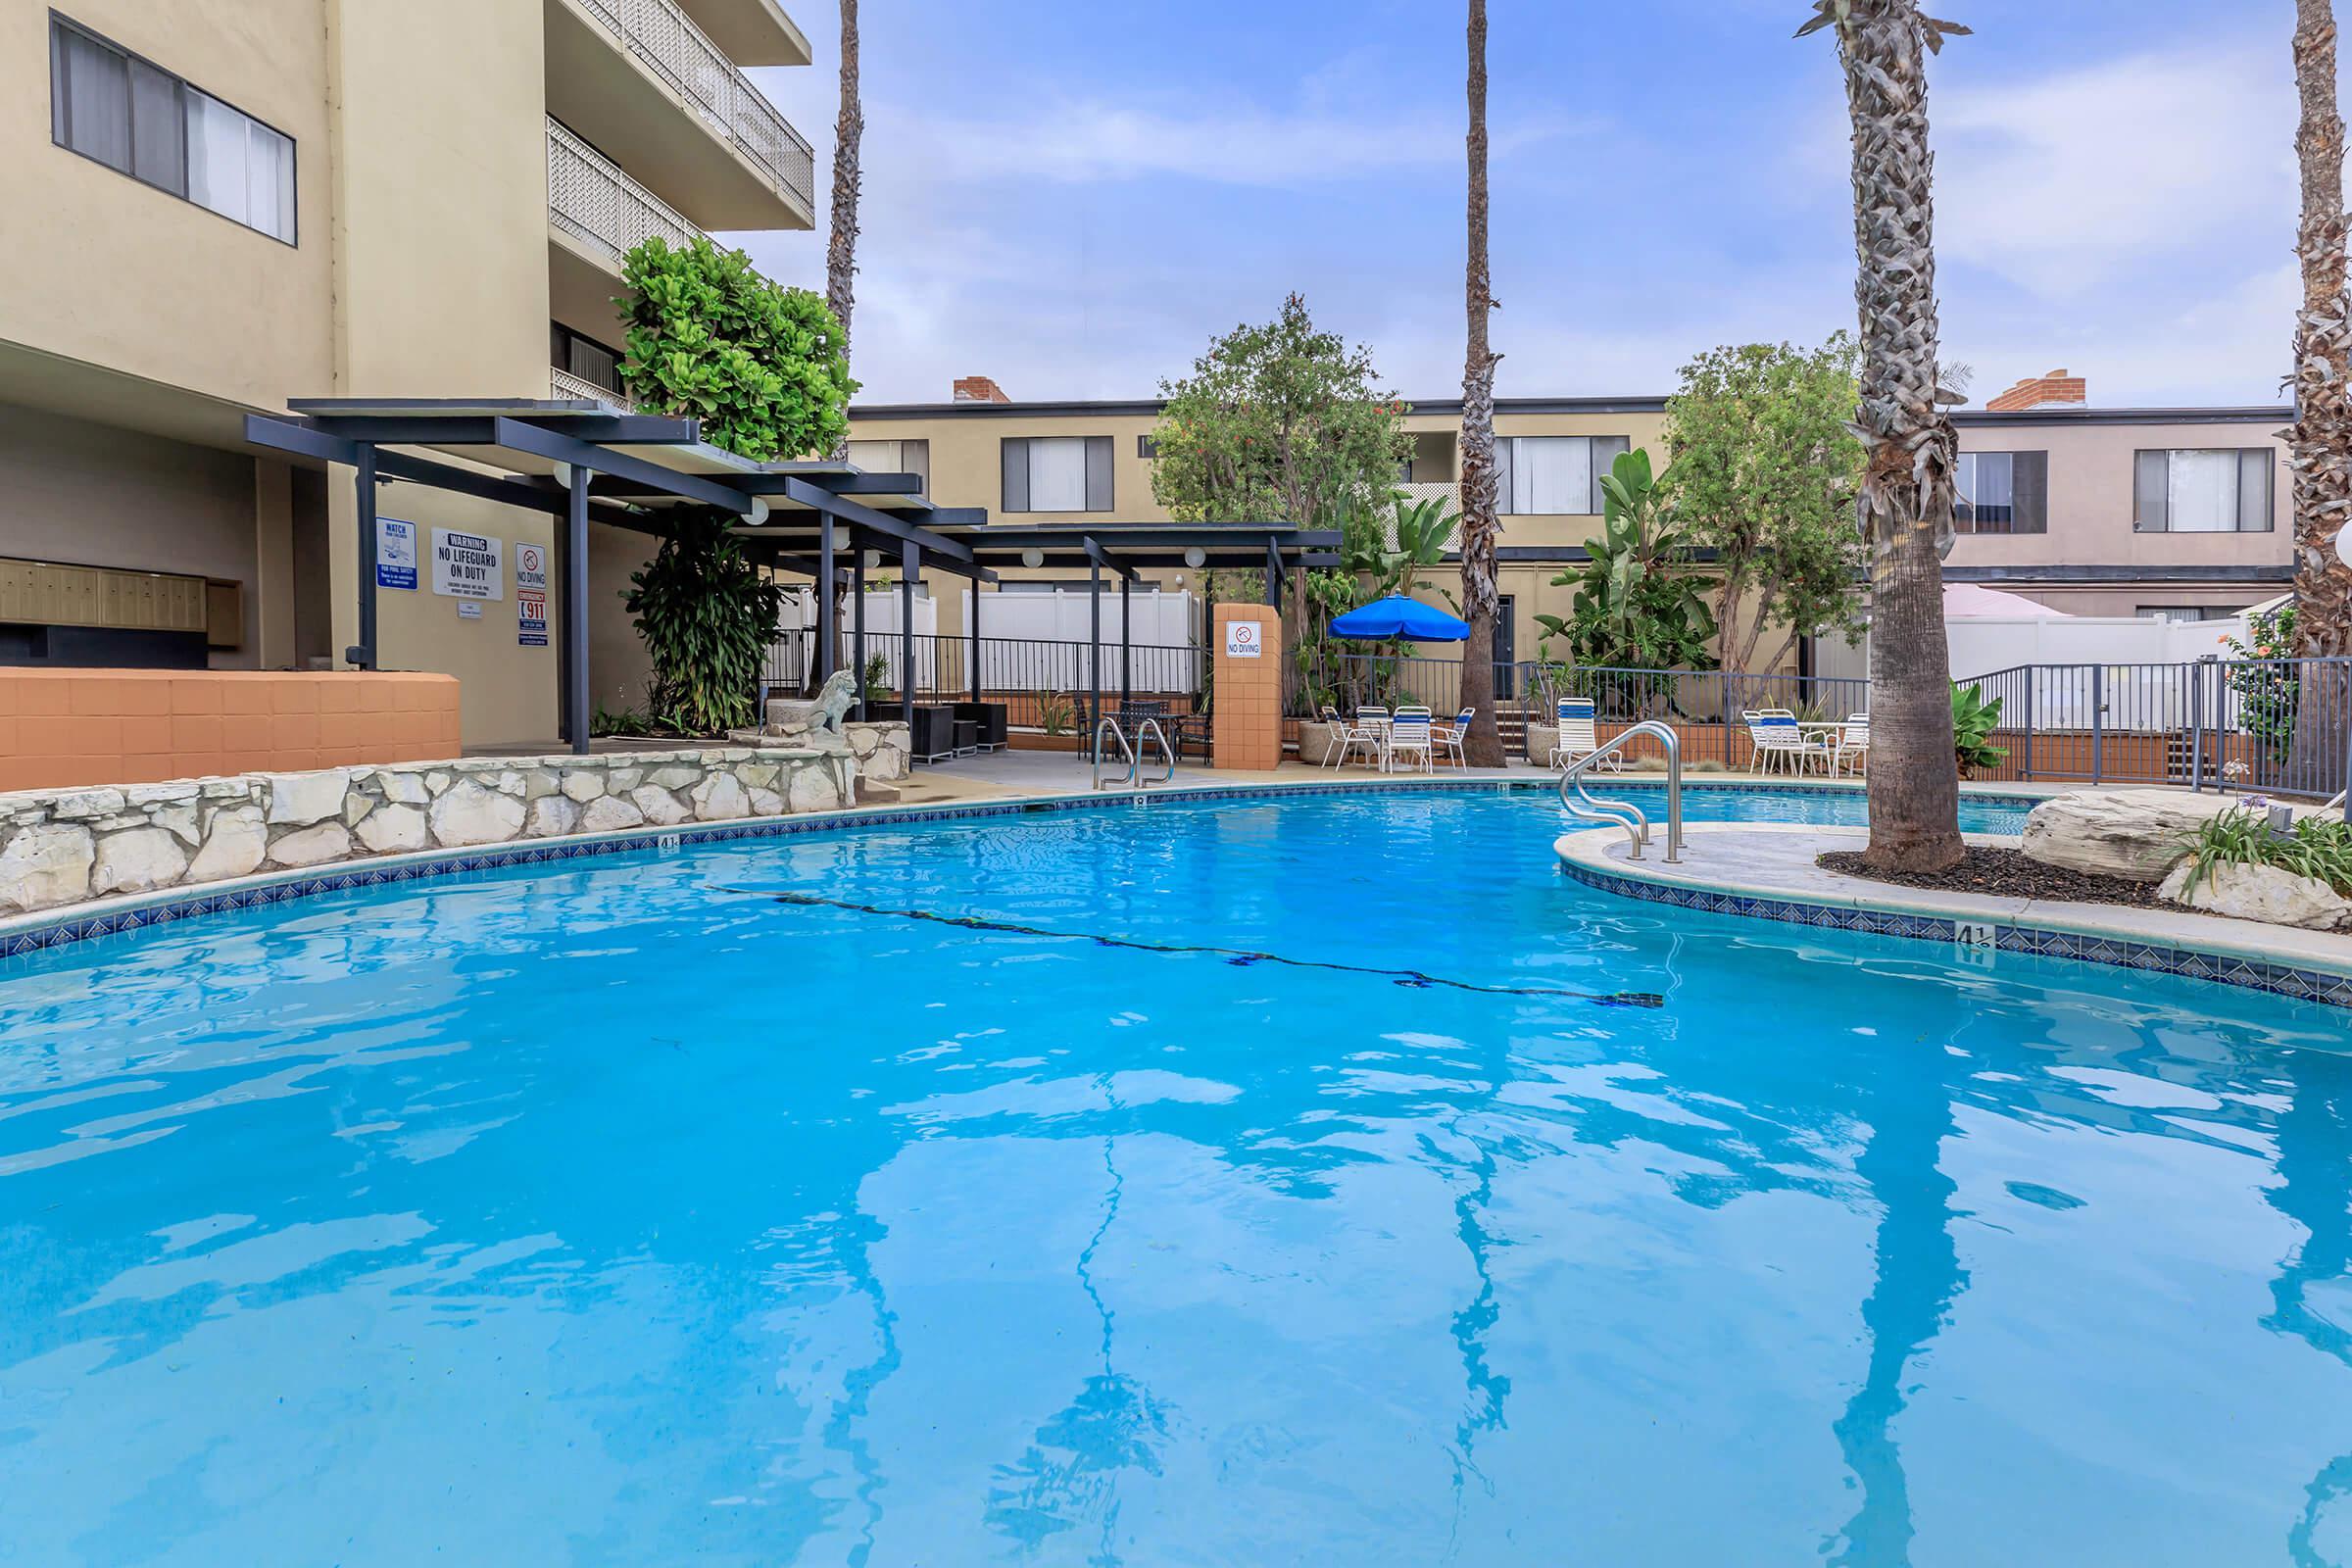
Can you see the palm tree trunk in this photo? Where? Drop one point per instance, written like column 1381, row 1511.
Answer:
column 1905, row 505
column 1481, row 603
column 841, row 247
column 2320, row 442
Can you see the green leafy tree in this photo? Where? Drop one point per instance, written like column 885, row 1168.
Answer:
column 1765, row 474
column 763, row 367
column 706, row 615
column 1280, row 422
column 1638, row 603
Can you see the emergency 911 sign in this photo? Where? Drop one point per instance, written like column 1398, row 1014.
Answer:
column 468, row 566
column 1241, row 640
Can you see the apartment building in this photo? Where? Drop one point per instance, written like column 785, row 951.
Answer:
column 1039, row 462
column 2131, row 512
column 246, row 201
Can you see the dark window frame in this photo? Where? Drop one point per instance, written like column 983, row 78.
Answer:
column 1507, row 462
column 560, row 338
column 61, row 111
column 2270, row 489
column 2028, row 512
column 1013, row 491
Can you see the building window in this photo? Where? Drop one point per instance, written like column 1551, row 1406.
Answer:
column 116, row 109
column 1147, row 447
column 2202, row 490
column 1553, row 475
column 1057, row 473
column 2002, row 492
column 580, row 355
column 2184, row 615
column 896, row 457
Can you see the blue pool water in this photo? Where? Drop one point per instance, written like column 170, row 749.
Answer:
column 644, row 1211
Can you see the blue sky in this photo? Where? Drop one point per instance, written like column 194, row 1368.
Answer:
column 1073, row 197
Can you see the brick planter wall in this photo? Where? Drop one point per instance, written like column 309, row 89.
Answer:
column 61, row 728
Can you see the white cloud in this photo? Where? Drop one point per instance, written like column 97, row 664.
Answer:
column 2064, row 182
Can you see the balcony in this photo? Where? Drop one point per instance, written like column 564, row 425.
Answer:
column 643, row 82
column 565, row 387
column 596, row 215
column 1448, row 493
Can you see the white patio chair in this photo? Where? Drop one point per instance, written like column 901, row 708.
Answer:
column 1450, row 739
column 1409, row 737
column 1854, row 740
column 1578, row 737
column 1777, row 741
column 1370, row 731
column 1346, row 735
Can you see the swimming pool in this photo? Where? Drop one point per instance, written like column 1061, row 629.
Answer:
column 1231, row 1181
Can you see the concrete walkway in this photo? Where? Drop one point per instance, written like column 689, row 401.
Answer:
column 1776, row 862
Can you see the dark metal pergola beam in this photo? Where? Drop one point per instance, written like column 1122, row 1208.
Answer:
column 558, row 447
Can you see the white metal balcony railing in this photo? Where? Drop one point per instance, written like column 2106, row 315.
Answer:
column 569, row 388
column 590, row 199
column 677, row 51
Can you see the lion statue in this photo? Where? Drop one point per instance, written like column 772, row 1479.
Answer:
column 823, row 716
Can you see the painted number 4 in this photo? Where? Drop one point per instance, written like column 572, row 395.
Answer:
column 1974, row 935
column 666, row 844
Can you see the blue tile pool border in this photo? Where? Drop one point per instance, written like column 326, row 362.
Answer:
column 40, row 933
column 2114, row 951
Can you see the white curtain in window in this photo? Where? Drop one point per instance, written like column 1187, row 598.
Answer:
column 2201, row 492
column 1057, row 473
column 269, row 180
column 216, row 158
column 1551, row 475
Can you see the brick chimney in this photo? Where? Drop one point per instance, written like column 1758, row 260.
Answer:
column 2054, row 390
column 979, row 389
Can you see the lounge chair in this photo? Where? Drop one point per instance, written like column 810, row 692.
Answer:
column 1578, row 737
column 1409, row 737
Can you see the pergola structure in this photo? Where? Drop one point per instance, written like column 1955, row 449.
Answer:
column 585, row 460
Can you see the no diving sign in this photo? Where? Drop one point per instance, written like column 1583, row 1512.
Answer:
column 1241, row 640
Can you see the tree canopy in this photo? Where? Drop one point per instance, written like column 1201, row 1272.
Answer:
column 1765, row 473
column 1278, row 422
column 763, row 367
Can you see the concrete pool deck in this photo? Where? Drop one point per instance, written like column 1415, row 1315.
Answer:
column 1767, row 871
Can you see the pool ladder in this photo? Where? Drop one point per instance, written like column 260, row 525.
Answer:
column 1146, row 733
column 1581, row 806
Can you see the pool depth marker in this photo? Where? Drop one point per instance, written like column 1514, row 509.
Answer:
column 1235, row 955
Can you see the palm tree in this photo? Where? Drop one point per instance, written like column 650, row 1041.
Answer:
column 841, row 247
column 1480, row 603
column 1905, row 505
column 2320, row 442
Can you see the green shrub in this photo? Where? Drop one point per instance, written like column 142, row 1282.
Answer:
column 708, row 616
column 1973, row 720
column 2319, row 848
column 761, row 365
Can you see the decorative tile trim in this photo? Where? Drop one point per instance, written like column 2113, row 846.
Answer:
column 2113, row 951
column 66, row 927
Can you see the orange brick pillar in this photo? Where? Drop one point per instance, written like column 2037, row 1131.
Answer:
column 1245, row 645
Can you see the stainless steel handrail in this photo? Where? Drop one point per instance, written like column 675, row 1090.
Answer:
column 1125, row 749
column 1150, row 730
column 1625, row 813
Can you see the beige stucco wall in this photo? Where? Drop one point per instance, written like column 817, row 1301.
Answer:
column 2090, row 499
column 98, row 267
column 90, row 494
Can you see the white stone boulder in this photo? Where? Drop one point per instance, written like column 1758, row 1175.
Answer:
column 2137, row 835
column 44, row 866
column 720, row 798
column 297, row 800
column 472, row 814
column 766, row 802
column 610, row 813
column 813, row 788
column 137, row 859
column 311, row 846
column 236, row 843
column 660, row 808
column 552, row 816
column 2267, row 893
column 583, row 785
column 394, row 829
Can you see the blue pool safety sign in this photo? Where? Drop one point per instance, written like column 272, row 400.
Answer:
column 395, row 554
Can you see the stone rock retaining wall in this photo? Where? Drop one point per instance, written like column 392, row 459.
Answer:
column 884, row 748
column 60, row 847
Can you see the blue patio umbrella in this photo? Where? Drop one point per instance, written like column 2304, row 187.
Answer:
column 1398, row 617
